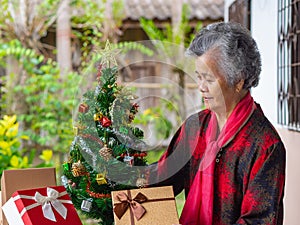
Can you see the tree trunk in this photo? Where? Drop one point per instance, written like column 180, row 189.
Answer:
column 63, row 37
column 63, row 46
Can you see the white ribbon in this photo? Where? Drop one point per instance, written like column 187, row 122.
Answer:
column 51, row 200
column 47, row 202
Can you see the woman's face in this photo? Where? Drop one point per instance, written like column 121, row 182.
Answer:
column 217, row 95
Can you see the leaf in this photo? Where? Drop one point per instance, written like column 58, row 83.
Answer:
column 4, row 145
column 12, row 131
column 46, row 155
column 24, row 137
column 41, row 58
column 9, row 120
column 2, row 131
column 14, row 161
column 24, row 162
column 27, row 52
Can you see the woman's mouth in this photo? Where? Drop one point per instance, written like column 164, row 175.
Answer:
column 207, row 98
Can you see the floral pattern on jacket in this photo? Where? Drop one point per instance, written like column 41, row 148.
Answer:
column 249, row 174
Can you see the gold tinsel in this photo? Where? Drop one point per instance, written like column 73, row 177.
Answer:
column 105, row 153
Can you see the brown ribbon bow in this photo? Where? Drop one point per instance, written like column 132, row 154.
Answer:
column 135, row 204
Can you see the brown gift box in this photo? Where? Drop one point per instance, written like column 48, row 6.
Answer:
column 160, row 206
column 21, row 179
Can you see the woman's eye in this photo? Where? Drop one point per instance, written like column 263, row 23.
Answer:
column 205, row 79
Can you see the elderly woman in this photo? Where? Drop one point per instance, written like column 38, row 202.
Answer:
column 228, row 158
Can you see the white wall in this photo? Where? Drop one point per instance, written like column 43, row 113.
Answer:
column 292, row 194
column 264, row 31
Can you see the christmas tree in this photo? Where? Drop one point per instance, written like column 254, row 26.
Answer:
column 107, row 151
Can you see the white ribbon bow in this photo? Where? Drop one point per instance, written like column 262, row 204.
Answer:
column 51, row 200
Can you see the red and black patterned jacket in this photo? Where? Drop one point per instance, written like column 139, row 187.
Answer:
column 249, row 172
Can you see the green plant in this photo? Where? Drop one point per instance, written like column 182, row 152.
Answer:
column 11, row 154
column 48, row 98
column 182, row 35
column 162, row 126
column 172, row 40
column 156, row 116
column 49, row 116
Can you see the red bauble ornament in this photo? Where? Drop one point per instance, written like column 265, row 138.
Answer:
column 143, row 154
column 135, row 106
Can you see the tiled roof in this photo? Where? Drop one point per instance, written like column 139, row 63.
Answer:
column 161, row 9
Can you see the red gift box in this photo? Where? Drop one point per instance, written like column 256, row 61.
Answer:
column 47, row 206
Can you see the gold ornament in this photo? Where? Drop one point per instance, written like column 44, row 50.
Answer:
column 100, row 178
column 78, row 169
column 105, row 153
column 141, row 182
column 108, row 55
column 98, row 116
column 76, row 130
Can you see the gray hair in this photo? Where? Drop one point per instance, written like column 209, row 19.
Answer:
column 237, row 53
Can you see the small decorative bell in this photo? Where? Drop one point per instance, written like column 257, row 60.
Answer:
column 86, row 205
column 98, row 116
column 105, row 121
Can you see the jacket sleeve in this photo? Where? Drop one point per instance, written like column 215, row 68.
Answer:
column 263, row 196
column 171, row 167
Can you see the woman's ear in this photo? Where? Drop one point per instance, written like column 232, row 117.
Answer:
column 239, row 85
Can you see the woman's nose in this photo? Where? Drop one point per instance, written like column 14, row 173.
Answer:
column 202, row 86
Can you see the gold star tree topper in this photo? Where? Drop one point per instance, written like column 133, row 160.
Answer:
column 108, row 55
